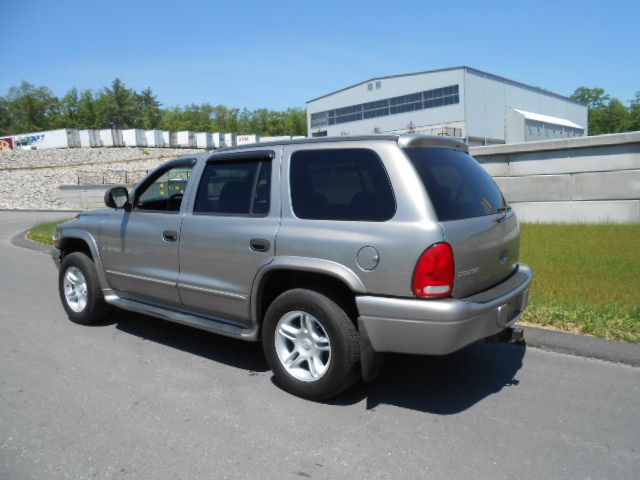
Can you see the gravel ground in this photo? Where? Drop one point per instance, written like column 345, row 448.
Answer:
column 29, row 179
column 10, row 159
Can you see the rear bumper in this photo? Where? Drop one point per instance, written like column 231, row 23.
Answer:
column 438, row 327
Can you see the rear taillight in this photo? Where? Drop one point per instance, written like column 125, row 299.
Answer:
column 433, row 277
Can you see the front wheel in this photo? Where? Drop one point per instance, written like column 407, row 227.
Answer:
column 311, row 344
column 80, row 290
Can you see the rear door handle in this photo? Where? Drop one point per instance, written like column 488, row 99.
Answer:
column 170, row 235
column 259, row 245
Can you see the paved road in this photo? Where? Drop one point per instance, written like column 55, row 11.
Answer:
column 141, row 398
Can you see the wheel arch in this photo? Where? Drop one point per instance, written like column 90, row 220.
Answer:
column 74, row 240
column 283, row 274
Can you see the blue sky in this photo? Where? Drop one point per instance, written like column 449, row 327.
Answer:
column 281, row 54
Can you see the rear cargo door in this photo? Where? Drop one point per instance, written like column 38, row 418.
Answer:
column 473, row 214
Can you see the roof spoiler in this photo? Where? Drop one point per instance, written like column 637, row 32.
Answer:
column 412, row 141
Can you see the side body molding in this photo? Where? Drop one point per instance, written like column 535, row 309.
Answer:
column 305, row 264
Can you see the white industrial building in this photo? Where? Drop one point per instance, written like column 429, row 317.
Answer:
column 482, row 108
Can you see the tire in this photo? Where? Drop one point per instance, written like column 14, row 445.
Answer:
column 288, row 341
column 74, row 287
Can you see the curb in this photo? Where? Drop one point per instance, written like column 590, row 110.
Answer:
column 17, row 210
column 21, row 241
column 582, row 345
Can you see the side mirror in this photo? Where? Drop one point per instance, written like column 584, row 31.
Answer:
column 116, row 197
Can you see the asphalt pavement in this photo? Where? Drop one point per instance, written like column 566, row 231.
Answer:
column 141, row 398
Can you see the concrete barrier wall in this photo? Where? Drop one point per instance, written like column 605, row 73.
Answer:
column 83, row 197
column 588, row 179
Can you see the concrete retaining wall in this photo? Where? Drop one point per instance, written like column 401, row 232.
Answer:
column 588, row 179
column 83, row 197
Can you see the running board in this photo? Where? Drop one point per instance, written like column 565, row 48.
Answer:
column 196, row 321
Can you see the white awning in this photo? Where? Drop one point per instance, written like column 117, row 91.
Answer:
column 538, row 117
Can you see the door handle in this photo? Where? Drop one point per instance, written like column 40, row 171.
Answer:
column 259, row 245
column 170, row 235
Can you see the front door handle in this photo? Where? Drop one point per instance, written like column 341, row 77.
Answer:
column 170, row 235
column 259, row 245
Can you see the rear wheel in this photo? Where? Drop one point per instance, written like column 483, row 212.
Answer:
column 311, row 344
column 80, row 290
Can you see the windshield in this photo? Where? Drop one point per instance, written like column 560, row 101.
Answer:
column 456, row 183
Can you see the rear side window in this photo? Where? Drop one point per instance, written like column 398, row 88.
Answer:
column 340, row 184
column 457, row 185
column 234, row 188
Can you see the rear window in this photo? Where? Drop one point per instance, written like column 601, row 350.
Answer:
column 340, row 184
column 231, row 188
column 457, row 185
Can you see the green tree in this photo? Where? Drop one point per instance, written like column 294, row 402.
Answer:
column 87, row 116
column 197, row 118
column 634, row 113
column 614, row 118
column 31, row 108
column 172, row 119
column 295, row 121
column 225, row 119
column 116, row 107
column 606, row 114
column 68, row 111
column 150, row 115
column 5, row 117
column 594, row 98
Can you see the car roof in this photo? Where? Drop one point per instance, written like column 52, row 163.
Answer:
column 404, row 141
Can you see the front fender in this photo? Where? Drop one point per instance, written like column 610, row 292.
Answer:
column 88, row 238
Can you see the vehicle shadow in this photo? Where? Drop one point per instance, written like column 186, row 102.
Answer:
column 229, row 351
column 443, row 385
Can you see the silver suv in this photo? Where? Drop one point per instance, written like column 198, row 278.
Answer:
column 330, row 251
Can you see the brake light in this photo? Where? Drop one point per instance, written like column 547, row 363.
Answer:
column 433, row 277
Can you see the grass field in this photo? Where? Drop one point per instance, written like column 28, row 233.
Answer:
column 587, row 277
column 42, row 232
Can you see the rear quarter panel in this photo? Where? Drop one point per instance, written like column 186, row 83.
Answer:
column 399, row 241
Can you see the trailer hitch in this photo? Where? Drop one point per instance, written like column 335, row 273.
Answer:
column 508, row 335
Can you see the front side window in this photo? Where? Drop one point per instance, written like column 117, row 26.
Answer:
column 164, row 192
column 234, row 188
column 340, row 184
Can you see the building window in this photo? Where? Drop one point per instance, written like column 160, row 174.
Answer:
column 438, row 97
column 319, row 119
column 378, row 85
column 375, row 109
column 370, row 86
